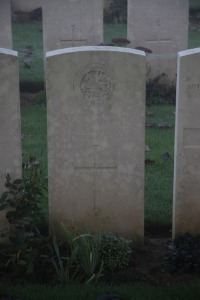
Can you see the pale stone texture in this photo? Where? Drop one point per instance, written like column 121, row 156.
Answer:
column 186, row 209
column 5, row 25
column 162, row 26
column 70, row 23
column 96, row 111
column 10, row 131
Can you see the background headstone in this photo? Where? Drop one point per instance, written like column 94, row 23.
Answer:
column 161, row 26
column 96, row 112
column 186, row 210
column 69, row 23
column 10, row 129
column 5, row 24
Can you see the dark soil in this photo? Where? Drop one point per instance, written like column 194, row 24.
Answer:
column 150, row 265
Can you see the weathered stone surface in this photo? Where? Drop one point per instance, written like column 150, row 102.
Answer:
column 186, row 210
column 70, row 23
column 161, row 27
column 5, row 24
column 96, row 113
column 10, row 131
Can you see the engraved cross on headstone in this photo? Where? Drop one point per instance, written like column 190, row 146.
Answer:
column 158, row 41
column 96, row 169
column 74, row 41
column 159, row 33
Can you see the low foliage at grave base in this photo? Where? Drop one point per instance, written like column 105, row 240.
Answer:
column 185, row 255
column 76, row 257
column 30, row 256
column 22, row 201
column 160, row 91
column 21, row 256
column 115, row 251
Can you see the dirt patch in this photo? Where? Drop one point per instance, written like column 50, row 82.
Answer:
column 149, row 265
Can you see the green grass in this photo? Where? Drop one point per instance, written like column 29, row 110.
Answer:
column 112, row 31
column 34, row 132
column 91, row 292
column 24, row 35
column 159, row 175
column 194, row 39
column 194, row 3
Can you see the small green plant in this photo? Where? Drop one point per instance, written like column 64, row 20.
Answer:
column 115, row 251
column 80, row 260
column 66, row 267
column 160, row 91
column 89, row 257
column 25, row 219
column 22, row 201
column 185, row 254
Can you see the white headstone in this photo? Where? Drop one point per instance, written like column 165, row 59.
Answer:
column 186, row 210
column 5, row 24
column 10, row 131
column 161, row 26
column 70, row 23
column 96, row 111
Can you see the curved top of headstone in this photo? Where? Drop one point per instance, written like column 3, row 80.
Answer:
column 8, row 52
column 94, row 48
column 189, row 52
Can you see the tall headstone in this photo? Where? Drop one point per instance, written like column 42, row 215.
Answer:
column 186, row 209
column 5, row 24
column 10, row 130
column 70, row 23
column 96, row 111
column 162, row 27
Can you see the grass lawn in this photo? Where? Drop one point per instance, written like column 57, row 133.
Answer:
column 34, row 133
column 159, row 174
column 194, row 4
column 26, row 35
column 91, row 292
column 113, row 31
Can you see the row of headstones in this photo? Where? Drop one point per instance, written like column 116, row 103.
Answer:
column 161, row 27
column 96, row 137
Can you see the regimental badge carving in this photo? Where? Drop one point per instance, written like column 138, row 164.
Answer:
column 94, row 85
